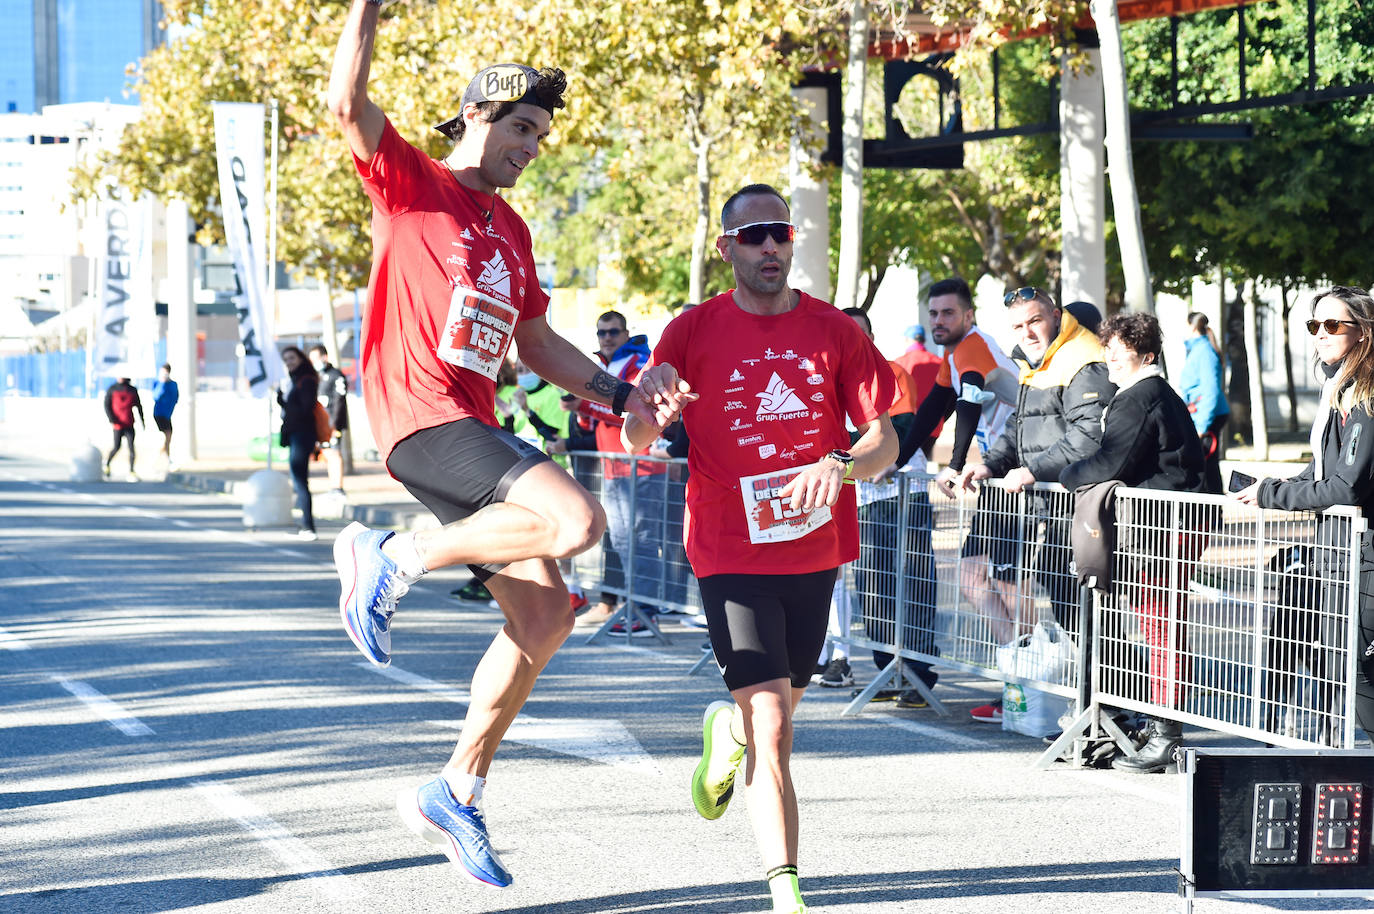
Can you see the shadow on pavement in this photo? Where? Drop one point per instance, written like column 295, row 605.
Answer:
column 1084, row 878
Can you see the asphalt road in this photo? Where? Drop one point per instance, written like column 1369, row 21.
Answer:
column 185, row 727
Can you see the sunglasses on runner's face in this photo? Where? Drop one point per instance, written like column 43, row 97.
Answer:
column 608, row 331
column 1025, row 293
column 755, row 232
column 1331, row 325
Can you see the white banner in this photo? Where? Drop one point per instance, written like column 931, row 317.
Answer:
column 239, row 150
column 125, row 324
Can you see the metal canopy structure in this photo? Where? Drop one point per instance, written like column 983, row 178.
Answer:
column 923, row 48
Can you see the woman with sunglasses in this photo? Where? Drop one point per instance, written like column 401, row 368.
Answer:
column 1342, row 467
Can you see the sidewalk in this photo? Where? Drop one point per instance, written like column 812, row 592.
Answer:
column 373, row 497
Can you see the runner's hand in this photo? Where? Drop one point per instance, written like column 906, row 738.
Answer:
column 818, row 484
column 664, row 393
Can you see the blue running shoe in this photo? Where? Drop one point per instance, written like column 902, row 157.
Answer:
column 370, row 587
column 433, row 814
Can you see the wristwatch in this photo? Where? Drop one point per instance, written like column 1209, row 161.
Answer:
column 845, row 458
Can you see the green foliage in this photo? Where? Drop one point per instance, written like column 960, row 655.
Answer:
column 1297, row 202
column 650, row 83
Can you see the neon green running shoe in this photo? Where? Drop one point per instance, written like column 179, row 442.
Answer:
column 713, row 783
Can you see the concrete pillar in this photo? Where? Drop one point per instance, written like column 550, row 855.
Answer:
column 181, row 329
column 1082, row 207
column 810, row 202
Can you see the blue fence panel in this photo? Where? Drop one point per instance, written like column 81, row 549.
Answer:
column 61, row 374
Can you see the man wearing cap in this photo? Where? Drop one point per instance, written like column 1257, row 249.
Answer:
column 452, row 284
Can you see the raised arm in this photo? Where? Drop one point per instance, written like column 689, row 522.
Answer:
column 362, row 121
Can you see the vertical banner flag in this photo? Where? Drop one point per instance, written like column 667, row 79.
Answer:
column 126, row 320
column 239, row 151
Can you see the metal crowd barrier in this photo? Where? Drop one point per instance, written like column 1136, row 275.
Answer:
column 978, row 571
column 640, row 558
column 1236, row 619
column 1221, row 616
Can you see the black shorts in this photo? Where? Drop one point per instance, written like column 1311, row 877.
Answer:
column 767, row 626
column 995, row 532
column 457, row 469
column 163, row 423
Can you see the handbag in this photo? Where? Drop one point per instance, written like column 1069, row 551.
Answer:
column 324, row 430
column 1047, row 655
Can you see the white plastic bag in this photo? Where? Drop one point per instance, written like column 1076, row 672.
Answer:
column 1046, row 655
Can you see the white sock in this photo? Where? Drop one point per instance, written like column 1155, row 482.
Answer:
column 466, row 788
column 401, row 549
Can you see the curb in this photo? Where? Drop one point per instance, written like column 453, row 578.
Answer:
column 395, row 516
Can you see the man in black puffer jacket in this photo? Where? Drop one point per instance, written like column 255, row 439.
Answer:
column 1058, row 420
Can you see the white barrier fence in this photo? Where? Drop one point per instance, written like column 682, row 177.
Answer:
column 1222, row 616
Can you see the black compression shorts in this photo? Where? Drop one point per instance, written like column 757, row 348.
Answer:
column 457, row 469
column 767, row 626
column 163, row 423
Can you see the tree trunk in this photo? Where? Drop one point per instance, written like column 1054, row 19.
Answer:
column 875, row 280
column 696, row 288
column 1288, row 360
column 329, row 329
column 1125, row 204
column 852, row 159
column 1258, row 412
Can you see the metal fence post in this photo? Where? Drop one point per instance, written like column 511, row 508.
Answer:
column 1357, row 526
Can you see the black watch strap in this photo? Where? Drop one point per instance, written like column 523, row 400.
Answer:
column 622, row 393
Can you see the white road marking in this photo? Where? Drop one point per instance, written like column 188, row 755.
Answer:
column 605, row 741
column 294, row 853
column 415, row 681
column 123, row 721
column 935, row 733
column 11, row 643
column 650, row 652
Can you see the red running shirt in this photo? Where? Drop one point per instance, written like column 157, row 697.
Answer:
column 775, row 390
column 446, row 292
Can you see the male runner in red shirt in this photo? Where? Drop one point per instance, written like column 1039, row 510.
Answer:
column 769, row 519
column 452, row 284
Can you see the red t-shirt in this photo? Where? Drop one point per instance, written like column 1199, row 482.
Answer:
column 775, row 390
column 446, row 292
column 923, row 366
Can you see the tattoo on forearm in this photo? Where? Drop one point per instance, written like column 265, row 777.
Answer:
column 604, row 384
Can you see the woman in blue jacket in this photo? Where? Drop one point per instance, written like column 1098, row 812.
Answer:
column 1201, row 383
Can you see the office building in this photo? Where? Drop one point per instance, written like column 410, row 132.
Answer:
column 66, row 51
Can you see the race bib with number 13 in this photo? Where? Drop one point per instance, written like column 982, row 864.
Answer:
column 771, row 518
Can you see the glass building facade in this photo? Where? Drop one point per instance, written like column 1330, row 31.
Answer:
column 64, row 51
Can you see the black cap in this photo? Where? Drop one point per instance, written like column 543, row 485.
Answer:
column 1085, row 313
column 502, row 82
